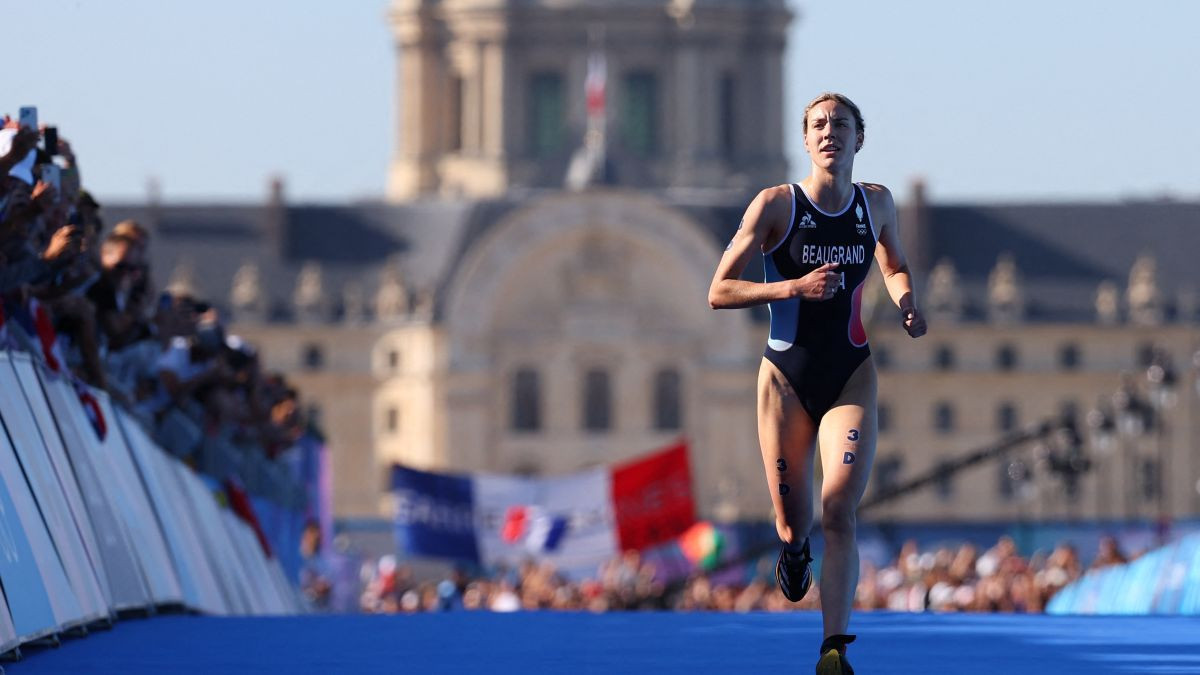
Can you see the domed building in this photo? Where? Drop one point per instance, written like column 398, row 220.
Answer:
column 531, row 297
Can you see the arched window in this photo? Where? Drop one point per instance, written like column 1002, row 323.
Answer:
column 597, row 400
column 668, row 408
column 526, row 400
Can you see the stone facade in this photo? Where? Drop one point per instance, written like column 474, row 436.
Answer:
column 475, row 77
column 485, row 319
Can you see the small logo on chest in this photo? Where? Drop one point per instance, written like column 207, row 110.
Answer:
column 860, row 226
column 807, row 222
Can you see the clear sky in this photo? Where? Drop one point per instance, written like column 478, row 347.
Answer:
column 991, row 101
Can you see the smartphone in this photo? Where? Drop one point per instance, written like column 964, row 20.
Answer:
column 50, row 140
column 28, row 117
column 52, row 174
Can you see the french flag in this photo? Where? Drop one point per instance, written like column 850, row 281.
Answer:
column 540, row 532
column 595, row 83
column 575, row 521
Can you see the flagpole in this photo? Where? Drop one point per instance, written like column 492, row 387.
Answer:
column 588, row 164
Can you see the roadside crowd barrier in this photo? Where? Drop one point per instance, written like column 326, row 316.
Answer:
column 97, row 521
column 1163, row 581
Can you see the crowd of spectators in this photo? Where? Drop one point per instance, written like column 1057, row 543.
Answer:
column 941, row 580
column 163, row 355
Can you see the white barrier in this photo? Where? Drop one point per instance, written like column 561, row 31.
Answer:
column 90, row 527
column 111, row 460
column 122, row 568
column 24, row 590
column 57, row 456
column 64, row 606
column 30, row 449
column 8, row 633
column 200, row 587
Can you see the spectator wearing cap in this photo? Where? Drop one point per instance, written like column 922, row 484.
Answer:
column 122, row 270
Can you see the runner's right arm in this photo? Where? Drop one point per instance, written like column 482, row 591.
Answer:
column 765, row 222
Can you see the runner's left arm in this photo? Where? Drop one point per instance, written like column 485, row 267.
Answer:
column 890, row 256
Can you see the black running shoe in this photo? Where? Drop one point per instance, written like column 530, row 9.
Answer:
column 833, row 656
column 793, row 572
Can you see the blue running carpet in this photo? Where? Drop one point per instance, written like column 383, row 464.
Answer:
column 660, row 643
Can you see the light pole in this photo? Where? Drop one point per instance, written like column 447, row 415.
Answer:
column 1194, row 424
column 1102, row 433
column 1160, row 385
column 1131, row 425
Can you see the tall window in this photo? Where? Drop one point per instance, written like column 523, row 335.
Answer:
column 943, row 358
column 1145, row 354
column 393, row 360
column 526, row 400
column 943, row 417
column 944, row 482
column 1006, row 417
column 668, row 409
column 1006, row 358
column 727, row 122
column 547, row 113
column 391, row 420
column 1068, row 356
column 883, row 358
column 597, row 400
column 639, row 112
column 887, row 472
column 314, row 356
column 454, row 114
column 1068, row 409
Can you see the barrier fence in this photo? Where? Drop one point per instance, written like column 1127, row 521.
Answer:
column 97, row 520
column 1163, row 581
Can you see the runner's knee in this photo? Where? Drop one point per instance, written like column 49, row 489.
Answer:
column 838, row 515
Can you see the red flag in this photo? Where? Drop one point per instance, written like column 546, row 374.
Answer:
column 46, row 335
column 652, row 498
column 91, row 407
column 239, row 501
